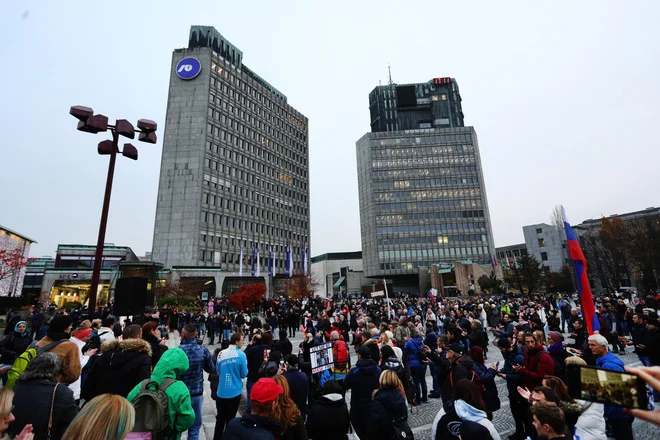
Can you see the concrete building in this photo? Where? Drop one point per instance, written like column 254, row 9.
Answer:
column 326, row 270
column 421, row 186
column 235, row 163
column 507, row 255
column 547, row 244
column 12, row 271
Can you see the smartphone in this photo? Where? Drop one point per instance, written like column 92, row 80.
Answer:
column 604, row 386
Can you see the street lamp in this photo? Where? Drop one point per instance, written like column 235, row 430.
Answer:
column 88, row 122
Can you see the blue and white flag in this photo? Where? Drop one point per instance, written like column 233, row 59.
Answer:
column 253, row 258
column 240, row 264
column 258, row 261
column 275, row 260
column 290, row 259
column 304, row 259
column 287, row 267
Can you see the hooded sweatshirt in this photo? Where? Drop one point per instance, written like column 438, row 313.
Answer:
column 465, row 412
column 328, row 418
column 362, row 380
column 172, row 365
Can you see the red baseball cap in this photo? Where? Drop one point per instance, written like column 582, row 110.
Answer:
column 265, row 390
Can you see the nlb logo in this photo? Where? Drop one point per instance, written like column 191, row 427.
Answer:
column 188, row 68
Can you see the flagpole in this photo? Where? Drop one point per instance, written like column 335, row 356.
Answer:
column 387, row 298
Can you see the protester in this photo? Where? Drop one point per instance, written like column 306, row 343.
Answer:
column 519, row 406
column 255, row 354
column 619, row 421
column 287, row 414
column 38, row 395
column 451, row 369
column 15, row 343
column 106, row 417
column 172, row 365
column 549, row 421
column 487, row 378
column 122, row 365
column 231, row 368
column 151, row 334
column 59, row 331
column 199, row 360
column 388, row 406
column 466, row 405
column 298, row 382
column 260, row 423
column 415, row 357
column 328, row 417
column 362, row 380
column 538, row 363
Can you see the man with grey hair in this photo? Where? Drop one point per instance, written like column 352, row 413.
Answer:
column 620, row 422
column 36, row 388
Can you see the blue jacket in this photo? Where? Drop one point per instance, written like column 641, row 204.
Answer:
column 411, row 347
column 362, row 380
column 610, row 362
column 513, row 379
column 200, row 360
column 431, row 340
column 232, row 368
column 251, row 427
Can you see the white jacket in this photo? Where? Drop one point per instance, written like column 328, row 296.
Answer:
column 591, row 423
column 75, row 386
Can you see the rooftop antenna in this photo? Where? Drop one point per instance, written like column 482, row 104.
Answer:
column 389, row 70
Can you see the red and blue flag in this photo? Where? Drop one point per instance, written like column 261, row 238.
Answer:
column 584, row 289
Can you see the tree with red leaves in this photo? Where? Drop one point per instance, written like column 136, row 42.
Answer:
column 12, row 261
column 247, row 296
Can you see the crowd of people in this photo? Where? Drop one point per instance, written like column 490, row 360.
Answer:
column 88, row 375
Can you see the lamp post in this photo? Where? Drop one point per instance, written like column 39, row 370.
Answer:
column 88, row 122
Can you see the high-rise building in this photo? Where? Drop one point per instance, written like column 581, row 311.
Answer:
column 547, row 243
column 235, row 166
column 421, row 186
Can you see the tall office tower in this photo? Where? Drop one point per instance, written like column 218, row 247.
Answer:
column 421, row 186
column 235, row 166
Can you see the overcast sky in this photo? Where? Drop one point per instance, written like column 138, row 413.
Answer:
column 564, row 97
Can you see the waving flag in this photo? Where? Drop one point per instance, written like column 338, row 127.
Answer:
column 287, row 267
column 580, row 265
column 253, row 258
column 270, row 260
column 240, row 264
column 258, row 261
column 304, row 258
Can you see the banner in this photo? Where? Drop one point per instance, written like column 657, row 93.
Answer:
column 321, row 357
column 377, row 293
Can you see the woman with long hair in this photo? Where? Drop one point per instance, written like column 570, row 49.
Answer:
column 388, row 405
column 287, row 414
column 571, row 408
column 467, row 408
column 105, row 417
column 7, row 417
column 151, row 334
column 487, row 377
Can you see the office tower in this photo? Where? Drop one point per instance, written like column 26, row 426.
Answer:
column 235, row 163
column 421, row 187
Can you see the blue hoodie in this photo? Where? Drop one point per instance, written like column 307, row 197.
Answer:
column 18, row 331
column 610, row 362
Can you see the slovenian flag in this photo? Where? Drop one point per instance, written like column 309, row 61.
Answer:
column 580, row 265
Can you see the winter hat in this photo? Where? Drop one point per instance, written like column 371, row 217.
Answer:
column 556, row 336
column 60, row 323
column 364, row 352
column 455, row 348
column 504, row 343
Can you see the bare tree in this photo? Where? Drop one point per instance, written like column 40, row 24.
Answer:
column 556, row 218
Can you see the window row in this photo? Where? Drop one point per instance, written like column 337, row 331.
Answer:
column 416, row 172
column 431, row 229
column 425, row 183
column 416, row 216
column 436, row 139
column 398, row 163
column 434, row 253
column 429, row 194
column 245, row 225
column 432, row 239
column 384, row 208
column 417, row 265
column 384, row 153
column 224, row 241
column 251, row 210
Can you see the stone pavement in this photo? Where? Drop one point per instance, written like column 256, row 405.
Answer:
column 421, row 417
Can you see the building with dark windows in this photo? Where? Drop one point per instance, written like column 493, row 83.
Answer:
column 421, row 187
column 235, row 165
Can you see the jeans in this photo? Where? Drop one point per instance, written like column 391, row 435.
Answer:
column 193, row 431
column 248, row 388
column 419, row 377
column 521, row 417
column 436, row 383
column 645, row 360
column 226, row 334
column 227, row 409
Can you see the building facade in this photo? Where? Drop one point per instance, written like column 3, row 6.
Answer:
column 508, row 255
column 326, row 270
column 12, row 270
column 547, row 244
column 235, row 164
column 421, row 187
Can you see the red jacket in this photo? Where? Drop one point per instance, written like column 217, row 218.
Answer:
column 538, row 364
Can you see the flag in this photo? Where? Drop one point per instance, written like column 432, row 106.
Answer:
column 580, row 265
column 275, row 260
column 270, row 260
column 287, row 268
column 253, row 258
column 258, row 261
column 493, row 261
column 304, row 259
column 240, row 264
column 290, row 260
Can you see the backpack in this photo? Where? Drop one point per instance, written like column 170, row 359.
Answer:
column 21, row 362
column 151, row 415
column 340, row 352
column 401, row 429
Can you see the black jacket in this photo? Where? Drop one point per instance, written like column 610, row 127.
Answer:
column 157, row 349
column 328, row 418
column 478, row 337
column 284, row 346
column 32, row 401
column 299, row 386
column 294, row 432
column 122, row 365
column 255, row 357
column 388, row 405
column 449, row 373
column 251, row 427
column 13, row 345
column 362, row 380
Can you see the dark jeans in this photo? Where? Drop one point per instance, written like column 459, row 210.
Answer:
column 521, row 417
column 622, row 428
column 436, row 382
column 419, row 377
column 227, row 409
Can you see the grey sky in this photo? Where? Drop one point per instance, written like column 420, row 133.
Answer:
column 563, row 95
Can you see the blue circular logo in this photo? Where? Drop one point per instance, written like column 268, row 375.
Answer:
column 188, row 68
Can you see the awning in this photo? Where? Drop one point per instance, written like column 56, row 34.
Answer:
column 338, row 283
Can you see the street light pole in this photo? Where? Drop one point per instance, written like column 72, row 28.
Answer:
column 96, row 273
column 91, row 123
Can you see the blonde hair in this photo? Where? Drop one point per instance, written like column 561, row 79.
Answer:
column 575, row 360
column 6, row 403
column 384, row 339
column 108, row 416
column 389, row 380
column 539, row 337
column 286, row 411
